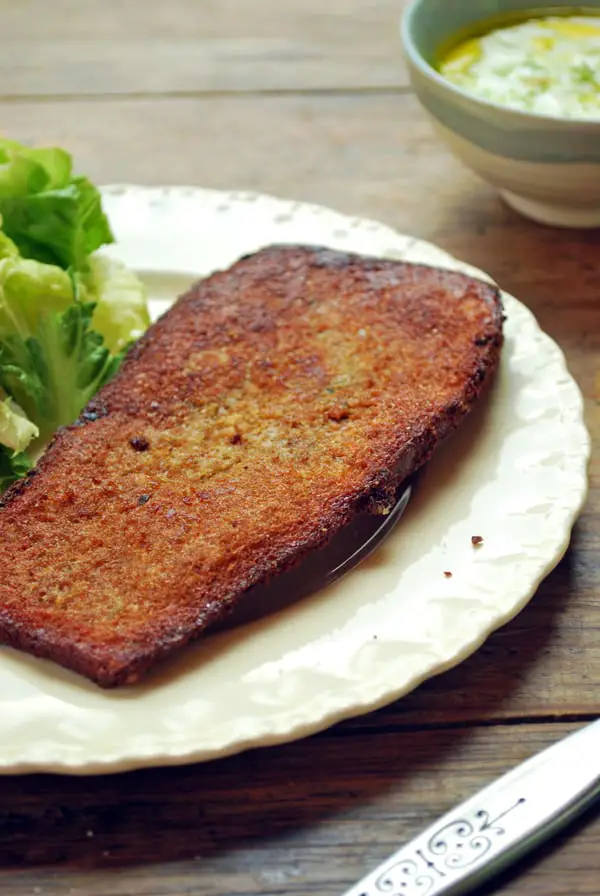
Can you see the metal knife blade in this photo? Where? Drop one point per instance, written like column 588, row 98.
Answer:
column 497, row 826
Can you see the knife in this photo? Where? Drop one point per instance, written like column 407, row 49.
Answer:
column 497, row 826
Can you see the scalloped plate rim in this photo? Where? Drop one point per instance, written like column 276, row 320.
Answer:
column 293, row 728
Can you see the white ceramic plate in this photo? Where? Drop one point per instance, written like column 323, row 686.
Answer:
column 515, row 474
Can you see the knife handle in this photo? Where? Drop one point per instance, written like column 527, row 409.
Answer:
column 496, row 827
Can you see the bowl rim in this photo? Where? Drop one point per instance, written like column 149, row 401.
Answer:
column 407, row 18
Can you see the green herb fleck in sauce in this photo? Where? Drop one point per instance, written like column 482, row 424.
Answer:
column 549, row 66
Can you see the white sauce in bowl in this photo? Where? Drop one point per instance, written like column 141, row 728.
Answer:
column 549, row 66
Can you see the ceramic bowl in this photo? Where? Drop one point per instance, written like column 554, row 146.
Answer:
column 547, row 168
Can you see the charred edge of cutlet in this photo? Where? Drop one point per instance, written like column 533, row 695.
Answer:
column 338, row 259
column 90, row 414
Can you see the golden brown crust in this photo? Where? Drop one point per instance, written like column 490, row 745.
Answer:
column 275, row 401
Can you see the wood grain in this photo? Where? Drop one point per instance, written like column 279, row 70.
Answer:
column 277, row 821
column 111, row 47
column 308, row 100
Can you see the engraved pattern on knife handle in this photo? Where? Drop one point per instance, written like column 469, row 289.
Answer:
column 457, row 845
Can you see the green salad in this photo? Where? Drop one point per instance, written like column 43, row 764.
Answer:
column 67, row 314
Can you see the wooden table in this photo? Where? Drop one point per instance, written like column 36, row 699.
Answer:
column 310, row 100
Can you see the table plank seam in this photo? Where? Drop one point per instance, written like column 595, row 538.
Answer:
column 399, row 90
column 458, row 725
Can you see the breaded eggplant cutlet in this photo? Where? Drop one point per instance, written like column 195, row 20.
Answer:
column 274, row 402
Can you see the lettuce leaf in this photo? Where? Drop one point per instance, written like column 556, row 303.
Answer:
column 13, row 466
column 50, row 214
column 121, row 314
column 28, row 289
column 51, row 360
column 16, row 430
column 66, row 313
